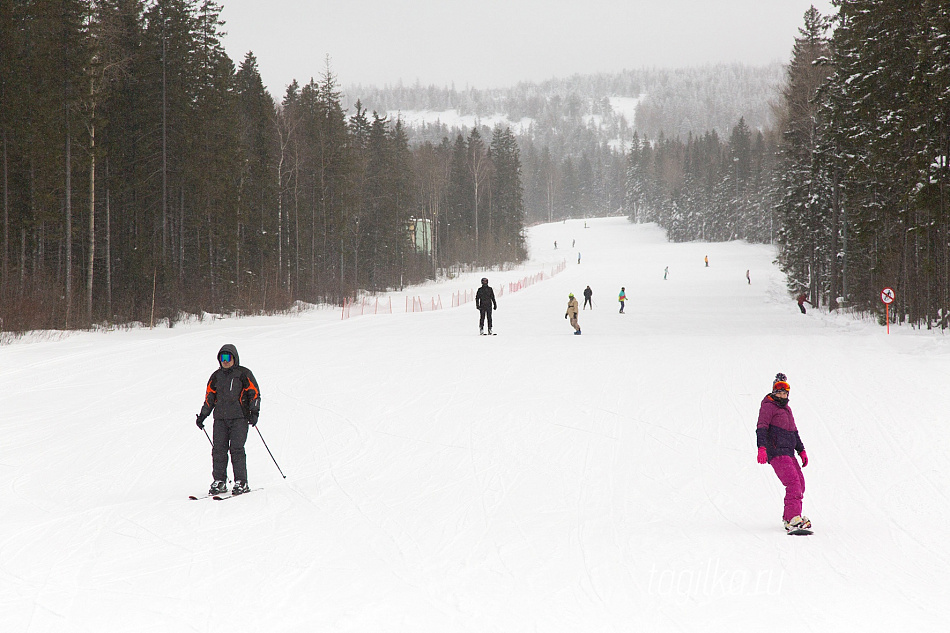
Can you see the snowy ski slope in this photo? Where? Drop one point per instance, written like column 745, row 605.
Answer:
column 439, row 481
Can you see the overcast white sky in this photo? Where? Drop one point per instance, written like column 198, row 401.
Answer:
column 496, row 43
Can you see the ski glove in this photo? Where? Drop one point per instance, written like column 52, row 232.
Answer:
column 804, row 457
column 253, row 420
column 200, row 420
column 763, row 457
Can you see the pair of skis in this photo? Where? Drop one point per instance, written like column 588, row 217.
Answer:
column 221, row 496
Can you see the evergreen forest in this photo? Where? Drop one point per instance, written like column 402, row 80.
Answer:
column 145, row 175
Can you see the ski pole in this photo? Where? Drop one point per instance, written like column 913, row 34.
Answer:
column 269, row 453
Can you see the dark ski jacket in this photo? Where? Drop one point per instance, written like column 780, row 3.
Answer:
column 776, row 429
column 232, row 394
column 485, row 298
column 588, row 293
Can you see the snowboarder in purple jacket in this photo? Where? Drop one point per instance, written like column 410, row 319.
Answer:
column 777, row 438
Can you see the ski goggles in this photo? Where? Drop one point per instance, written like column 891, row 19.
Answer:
column 225, row 357
column 781, row 386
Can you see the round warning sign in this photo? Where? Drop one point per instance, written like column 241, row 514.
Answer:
column 887, row 295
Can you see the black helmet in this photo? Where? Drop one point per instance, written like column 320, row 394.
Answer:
column 484, row 280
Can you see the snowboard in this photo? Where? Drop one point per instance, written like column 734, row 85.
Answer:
column 800, row 532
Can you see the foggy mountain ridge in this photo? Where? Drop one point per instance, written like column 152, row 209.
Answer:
column 674, row 102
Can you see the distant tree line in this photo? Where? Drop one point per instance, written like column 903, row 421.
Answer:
column 704, row 187
column 143, row 175
column 851, row 181
column 677, row 100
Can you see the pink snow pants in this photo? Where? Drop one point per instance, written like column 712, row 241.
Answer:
column 790, row 474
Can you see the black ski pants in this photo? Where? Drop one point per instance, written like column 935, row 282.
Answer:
column 482, row 314
column 229, row 437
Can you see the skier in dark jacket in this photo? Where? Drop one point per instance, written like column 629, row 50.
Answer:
column 777, row 439
column 485, row 302
column 588, row 294
column 233, row 395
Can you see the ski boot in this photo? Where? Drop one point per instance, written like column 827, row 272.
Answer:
column 240, row 487
column 218, row 488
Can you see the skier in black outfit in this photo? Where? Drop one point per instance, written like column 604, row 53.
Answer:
column 234, row 397
column 485, row 302
column 588, row 293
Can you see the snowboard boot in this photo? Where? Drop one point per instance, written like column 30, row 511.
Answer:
column 481, row 331
column 240, row 487
column 797, row 523
column 577, row 332
column 218, row 488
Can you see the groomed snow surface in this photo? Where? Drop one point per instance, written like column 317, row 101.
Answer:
column 531, row 481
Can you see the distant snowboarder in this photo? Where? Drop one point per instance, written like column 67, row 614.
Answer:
column 622, row 298
column 572, row 313
column 802, row 300
column 588, row 294
column 748, row 277
column 707, row 261
column 778, row 440
column 666, row 271
column 234, row 397
column 578, row 257
column 485, row 302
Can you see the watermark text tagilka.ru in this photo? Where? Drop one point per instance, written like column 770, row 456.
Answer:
column 714, row 581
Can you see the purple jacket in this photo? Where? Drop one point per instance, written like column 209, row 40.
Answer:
column 776, row 429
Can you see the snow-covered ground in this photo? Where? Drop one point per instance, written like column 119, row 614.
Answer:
column 453, row 118
column 532, row 481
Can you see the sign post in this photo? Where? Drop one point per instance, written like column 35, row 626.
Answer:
column 887, row 296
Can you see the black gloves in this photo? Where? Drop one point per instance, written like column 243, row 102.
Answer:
column 254, row 411
column 200, row 420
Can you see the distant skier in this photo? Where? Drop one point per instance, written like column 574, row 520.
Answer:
column 485, row 302
column 588, row 294
column 572, row 313
column 573, row 242
column 802, row 300
column 777, row 438
column 707, row 261
column 578, row 257
column 622, row 298
column 555, row 244
column 666, row 271
column 234, row 397
column 748, row 277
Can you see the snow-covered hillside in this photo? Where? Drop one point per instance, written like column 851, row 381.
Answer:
column 625, row 107
column 532, row 481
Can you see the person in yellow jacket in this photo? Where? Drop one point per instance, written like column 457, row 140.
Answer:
column 571, row 313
